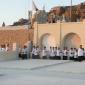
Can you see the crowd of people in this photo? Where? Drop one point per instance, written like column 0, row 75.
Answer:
column 54, row 53
column 4, row 47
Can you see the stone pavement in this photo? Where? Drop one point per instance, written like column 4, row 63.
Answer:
column 42, row 72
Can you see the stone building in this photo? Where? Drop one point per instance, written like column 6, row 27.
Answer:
column 71, row 34
column 15, row 34
column 77, row 14
column 49, row 32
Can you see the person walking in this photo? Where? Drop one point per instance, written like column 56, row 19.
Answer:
column 52, row 53
column 57, row 53
column 24, row 52
column 44, row 53
column 75, row 54
column 65, row 53
column 71, row 54
column 80, row 54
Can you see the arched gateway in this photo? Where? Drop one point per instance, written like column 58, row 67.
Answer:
column 71, row 40
column 47, row 40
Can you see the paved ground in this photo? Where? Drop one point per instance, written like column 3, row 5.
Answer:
column 42, row 72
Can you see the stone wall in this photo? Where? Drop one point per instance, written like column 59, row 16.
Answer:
column 60, row 31
column 13, row 35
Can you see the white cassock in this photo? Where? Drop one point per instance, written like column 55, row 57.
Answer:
column 44, row 53
column 65, row 52
column 80, row 52
column 36, row 52
column 24, row 51
column 71, row 53
column 52, row 54
column 75, row 54
column 61, row 54
column 57, row 53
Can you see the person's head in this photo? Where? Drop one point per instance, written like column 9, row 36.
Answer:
column 3, row 46
column 50, row 47
column 80, row 46
column 74, row 48
column 71, row 48
column 33, row 46
column 53, row 48
column 25, row 46
column 56, row 47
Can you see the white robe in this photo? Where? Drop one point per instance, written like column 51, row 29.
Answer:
column 75, row 54
column 57, row 52
column 43, row 53
column 80, row 52
column 52, row 53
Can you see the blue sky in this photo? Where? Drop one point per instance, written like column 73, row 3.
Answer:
column 12, row 10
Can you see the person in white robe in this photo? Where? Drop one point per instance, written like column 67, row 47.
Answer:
column 80, row 54
column 71, row 54
column 44, row 53
column 52, row 53
column 75, row 54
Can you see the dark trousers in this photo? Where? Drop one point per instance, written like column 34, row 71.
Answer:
column 52, row 57
column 20, row 55
column 71, row 57
column 84, row 57
column 57, row 57
column 80, row 58
column 75, row 59
column 24, row 56
column 44, row 57
column 32, row 56
column 64, row 57
column 36, row 57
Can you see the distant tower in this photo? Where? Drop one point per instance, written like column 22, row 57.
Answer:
column 30, row 16
column 44, row 8
column 35, row 10
column 3, row 25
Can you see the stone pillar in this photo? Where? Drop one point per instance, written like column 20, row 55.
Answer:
column 16, row 49
column 29, row 48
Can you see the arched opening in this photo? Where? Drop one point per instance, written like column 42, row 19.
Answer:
column 71, row 40
column 47, row 40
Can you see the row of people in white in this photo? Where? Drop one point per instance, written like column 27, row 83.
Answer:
column 57, row 53
column 4, row 48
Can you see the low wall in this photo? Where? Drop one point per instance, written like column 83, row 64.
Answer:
column 10, row 55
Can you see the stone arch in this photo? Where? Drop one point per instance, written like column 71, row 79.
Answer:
column 71, row 40
column 47, row 40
